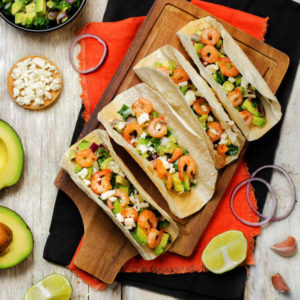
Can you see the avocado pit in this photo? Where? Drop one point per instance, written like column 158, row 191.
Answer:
column 6, row 237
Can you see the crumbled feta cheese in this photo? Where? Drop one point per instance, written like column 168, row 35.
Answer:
column 172, row 170
column 48, row 95
column 213, row 131
column 210, row 119
column 87, row 182
column 165, row 162
column 120, row 218
column 144, row 117
column 83, row 173
column 212, row 68
column 16, row 92
column 183, row 83
column 38, row 102
column 120, row 126
column 231, row 79
column 107, row 194
column 39, row 62
column 115, row 168
column 129, row 223
column 143, row 135
column 142, row 148
column 151, row 149
column 190, row 97
column 244, row 82
column 133, row 141
column 112, row 199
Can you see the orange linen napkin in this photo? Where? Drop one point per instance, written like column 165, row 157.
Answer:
column 119, row 36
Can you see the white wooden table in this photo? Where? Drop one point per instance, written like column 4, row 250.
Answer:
column 46, row 134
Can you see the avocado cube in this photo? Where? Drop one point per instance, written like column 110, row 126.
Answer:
column 121, row 180
column 202, row 119
column 30, row 8
column 77, row 169
column 24, row 17
column 117, row 207
column 160, row 248
column 155, row 114
column 50, row 4
column 105, row 163
column 125, row 188
column 184, row 89
column 72, row 154
column 198, row 47
column 228, row 86
column 17, row 7
column 89, row 175
column 259, row 121
column 30, row 18
column 84, row 145
column 41, row 7
column 19, row 17
column 177, row 184
column 140, row 236
column 247, row 104
column 186, row 183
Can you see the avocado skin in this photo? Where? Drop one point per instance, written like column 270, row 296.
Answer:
column 19, row 155
column 160, row 248
column 22, row 243
column 140, row 236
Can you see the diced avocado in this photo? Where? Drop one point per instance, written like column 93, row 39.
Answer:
column 30, row 7
column 24, row 16
column 184, row 89
column 155, row 114
column 140, row 142
column 172, row 138
column 41, row 7
column 117, row 207
column 219, row 43
column 72, row 154
column 248, row 106
column 228, row 86
column 259, row 121
column 177, row 184
column 89, row 175
column 105, row 163
column 163, row 224
column 238, row 81
column 169, row 148
column 77, row 169
column 121, row 180
column 17, row 7
column 198, row 47
column 186, row 183
column 202, row 119
column 50, row 4
column 198, row 32
column 171, row 65
column 30, row 18
column 19, row 17
column 160, row 248
column 140, row 236
column 125, row 188
column 84, row 145
column 157, row 64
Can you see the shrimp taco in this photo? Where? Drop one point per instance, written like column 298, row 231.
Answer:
column 101, row 174
column 240, row 87
column 174, row 158
column 168, row 72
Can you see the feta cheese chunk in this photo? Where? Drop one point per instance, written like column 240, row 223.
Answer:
column 115, row 168
column 107, row 194
column 190, row 97
column 120, row 218
column 142, row 148
column 129, row 223
column 143, row 135
column 212, row 68
column 83, row 173
column 231, row 79
column 87, row 182
column 144, row 117
column 120, row 126
column 183, row 83
column 210, row 119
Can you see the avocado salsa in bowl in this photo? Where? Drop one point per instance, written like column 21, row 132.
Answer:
column 40, row 15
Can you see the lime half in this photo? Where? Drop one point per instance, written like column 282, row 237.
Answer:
column 52, row 287
column 225, row 251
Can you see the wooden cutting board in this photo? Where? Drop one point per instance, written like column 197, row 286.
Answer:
column 105, row 250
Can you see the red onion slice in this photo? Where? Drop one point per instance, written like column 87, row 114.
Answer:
column 274, row 201
column 292, row 185
column 81, row 37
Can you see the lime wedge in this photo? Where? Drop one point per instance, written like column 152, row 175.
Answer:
column 52, row 287
column 225, row 251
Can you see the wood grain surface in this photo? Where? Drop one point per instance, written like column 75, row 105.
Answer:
column 45, row 136
column 269, row 61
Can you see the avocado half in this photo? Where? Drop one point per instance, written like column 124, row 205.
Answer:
column 16, row 243
column 11, row 156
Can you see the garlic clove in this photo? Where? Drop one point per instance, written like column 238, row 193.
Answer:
column 285, row 248
column 279, row 284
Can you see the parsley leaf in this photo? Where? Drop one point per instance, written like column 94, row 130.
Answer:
column 125, row 112
column 233, row 150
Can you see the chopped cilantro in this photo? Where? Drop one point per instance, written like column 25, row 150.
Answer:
column 233, row 150
column 125, row 112
column 163, row 224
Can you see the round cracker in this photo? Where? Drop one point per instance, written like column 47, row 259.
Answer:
column 55, row 94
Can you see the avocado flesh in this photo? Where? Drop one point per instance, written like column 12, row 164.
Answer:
column 259, row 121
column 30, row 18
column 160, row 248
column 125, row 188
column 248, row 106
column 121, row 180
column 19, row 17
column 11, row 156
column 186, row 183
column 83, row 145
column 30, row 8
column 117, row 207
column 140, row 236
column 22, row 242
column 105, row 163
column 41, row 7
column 17, row 7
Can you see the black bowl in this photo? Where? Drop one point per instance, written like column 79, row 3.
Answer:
column 10, row 20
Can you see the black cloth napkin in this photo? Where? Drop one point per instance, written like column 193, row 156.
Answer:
column 66, row 228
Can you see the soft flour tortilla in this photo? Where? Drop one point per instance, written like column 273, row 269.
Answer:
column 189, row 202
column 163, row 84
column 100, row 137
column 246, row 68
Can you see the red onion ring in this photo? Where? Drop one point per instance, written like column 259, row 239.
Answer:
column 274, row 201
column 79, row 38
column 292, row 185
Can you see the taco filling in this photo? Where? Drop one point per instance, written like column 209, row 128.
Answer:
column 97, row 169
column 200, row 107
column 208, row 45
column 148, row 132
